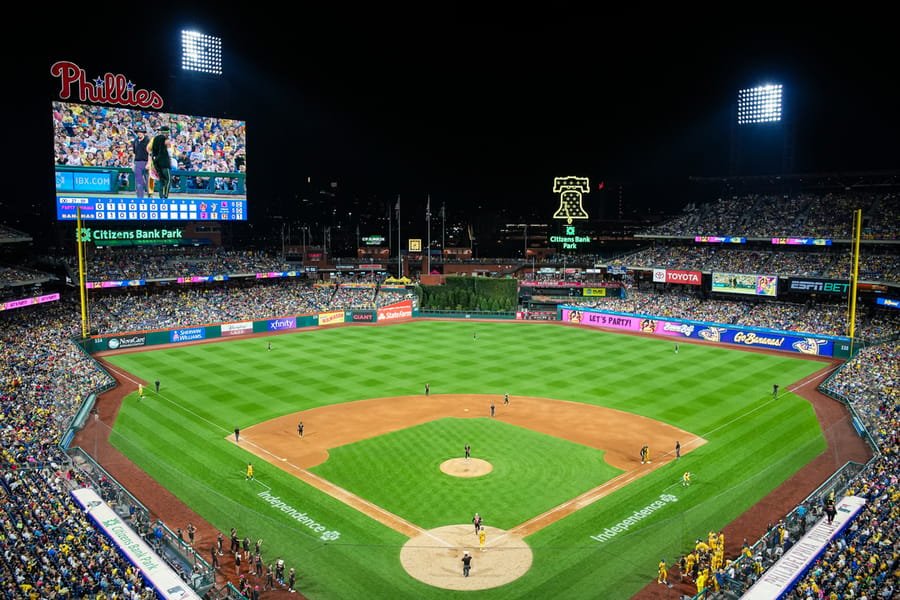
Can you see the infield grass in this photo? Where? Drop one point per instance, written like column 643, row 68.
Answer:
column 720, row 394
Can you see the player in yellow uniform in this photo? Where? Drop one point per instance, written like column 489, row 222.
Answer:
column 663, row 576
column 481, row 538
column 686, row 479
column 249, row 471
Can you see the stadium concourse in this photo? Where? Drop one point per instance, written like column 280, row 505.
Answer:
column 50, row 548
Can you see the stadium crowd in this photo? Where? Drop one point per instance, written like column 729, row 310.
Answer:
column 47, row 377
column 49, row 549
column 874, row 265
column 188, row 306
column 161, row 262
column 820, row 318
column 807, row 215
column 863, row 561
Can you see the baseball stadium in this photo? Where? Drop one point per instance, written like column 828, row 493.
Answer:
column 700, row 405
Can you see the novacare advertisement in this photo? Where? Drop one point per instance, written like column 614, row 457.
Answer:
column 128, row 341
column 401, row 310
column 819, row 345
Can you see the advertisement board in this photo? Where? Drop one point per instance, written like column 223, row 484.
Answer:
column 360, row 316
column 670, row 276
column 745, row 283
column 330, row 318
column 233, row 329
column 700, row 330
column 807, row 285
column 126, row 341
column 401, row 310
column 189, row 334
column 11, row 304
column 593, row 291
column 281, row 324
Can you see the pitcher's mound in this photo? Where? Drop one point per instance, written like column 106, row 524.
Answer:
column 460, row 467
column 434, row 557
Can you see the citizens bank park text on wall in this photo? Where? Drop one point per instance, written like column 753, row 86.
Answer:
column 138, row 339
column 755, row 337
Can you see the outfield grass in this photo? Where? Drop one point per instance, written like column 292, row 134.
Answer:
column 720, row 394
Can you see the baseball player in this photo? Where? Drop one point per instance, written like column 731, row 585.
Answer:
column 467, row 563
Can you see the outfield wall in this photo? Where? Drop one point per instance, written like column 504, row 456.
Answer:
column 139, row 339
column 754, row 337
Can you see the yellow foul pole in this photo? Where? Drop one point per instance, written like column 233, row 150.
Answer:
column 81, row 289
column 854, row 275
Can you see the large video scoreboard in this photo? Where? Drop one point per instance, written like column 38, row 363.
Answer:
column 94, row 165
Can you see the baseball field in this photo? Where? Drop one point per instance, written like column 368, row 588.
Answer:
column 376, row 499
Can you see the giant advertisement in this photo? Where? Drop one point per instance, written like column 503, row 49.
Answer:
column 710, row 332
column 744, row 283
column 360, row 316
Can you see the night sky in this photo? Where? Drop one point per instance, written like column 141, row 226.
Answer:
column 479, row 110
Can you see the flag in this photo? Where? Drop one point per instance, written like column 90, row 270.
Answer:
column 397, row 208
column 428, row 209
column 443, row 214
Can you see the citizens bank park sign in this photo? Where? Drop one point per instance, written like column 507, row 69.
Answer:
column 669, row 276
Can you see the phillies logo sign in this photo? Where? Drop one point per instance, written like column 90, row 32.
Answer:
column 109, row 89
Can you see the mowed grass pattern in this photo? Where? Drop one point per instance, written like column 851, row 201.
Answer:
column 718, row 393
column 422, row 494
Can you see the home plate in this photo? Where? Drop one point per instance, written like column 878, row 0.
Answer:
column 466, row 409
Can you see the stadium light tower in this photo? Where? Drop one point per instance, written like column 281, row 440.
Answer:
column 759, row 123
column 201, row 53
column 761, row 104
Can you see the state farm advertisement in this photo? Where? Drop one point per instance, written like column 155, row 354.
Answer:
column 670, row 276
column 401, row 310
